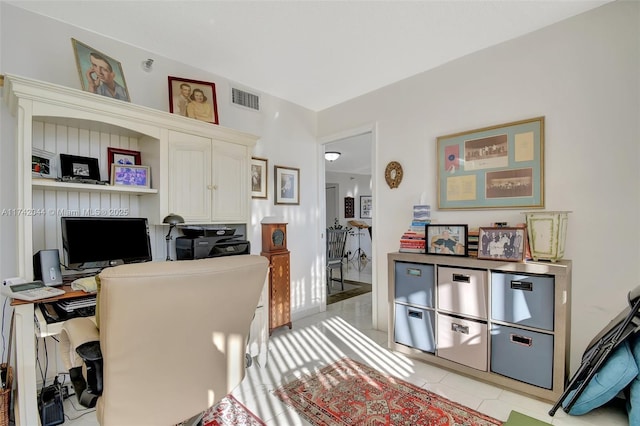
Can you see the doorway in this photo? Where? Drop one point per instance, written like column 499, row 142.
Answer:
column 348, row 196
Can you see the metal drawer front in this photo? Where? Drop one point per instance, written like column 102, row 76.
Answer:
column 414, row 284
column 463, row 291
column 522, row 355
column 523, row 299
column 415, row 327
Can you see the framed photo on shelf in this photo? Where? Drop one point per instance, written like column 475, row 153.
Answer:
column 449, row 240
column 122, row 157
column 99, row 73
column 193, row 99
column 287, row 185
column 130, row 175
column 259, row 173
column 77, row 167
column 43, row 164
column 493, row 167
column 502, row 243
column 366, row 206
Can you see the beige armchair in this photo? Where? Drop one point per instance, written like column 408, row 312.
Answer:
column 173, row 336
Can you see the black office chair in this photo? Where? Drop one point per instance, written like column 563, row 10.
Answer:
column 336, row 241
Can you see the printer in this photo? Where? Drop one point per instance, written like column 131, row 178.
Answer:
column 202, row 242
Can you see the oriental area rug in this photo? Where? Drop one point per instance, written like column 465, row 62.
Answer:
column 350, row 393
column 230, row 412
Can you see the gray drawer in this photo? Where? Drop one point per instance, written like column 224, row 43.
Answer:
column 463, row 291
column 415, row 327
column 523, row 355
column 523, row 299
column 414, row 284
column 463, row 341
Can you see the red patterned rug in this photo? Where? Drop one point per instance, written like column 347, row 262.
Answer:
column 230, row 412
column 350, row 393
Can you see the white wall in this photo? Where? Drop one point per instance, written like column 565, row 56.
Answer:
column 583, row 76
column 287, row 133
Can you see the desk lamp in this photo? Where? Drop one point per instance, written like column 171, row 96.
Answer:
column 173, row 219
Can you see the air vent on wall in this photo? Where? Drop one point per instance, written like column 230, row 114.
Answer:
column 245, row 99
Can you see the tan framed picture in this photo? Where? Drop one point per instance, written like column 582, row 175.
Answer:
column 259, row 172
column 130, row 175
column 193, row 99
column 99, row 73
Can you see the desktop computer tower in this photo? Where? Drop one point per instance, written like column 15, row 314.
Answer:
column 50, row 406
column 46, row 267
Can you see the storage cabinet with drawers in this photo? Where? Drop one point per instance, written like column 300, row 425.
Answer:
column 506, row 323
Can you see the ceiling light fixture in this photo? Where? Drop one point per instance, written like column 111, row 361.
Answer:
column 331, row 155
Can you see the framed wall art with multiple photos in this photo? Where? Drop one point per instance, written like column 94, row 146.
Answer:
column 493, row 167
column 449, row 240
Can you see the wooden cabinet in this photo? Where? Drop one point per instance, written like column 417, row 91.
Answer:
column 274, row 248
column 506, row 323
column 209, row 179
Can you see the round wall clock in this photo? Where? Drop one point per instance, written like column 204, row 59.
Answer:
column 393, row 174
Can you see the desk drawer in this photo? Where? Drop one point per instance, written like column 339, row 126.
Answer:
column 414, row 284
column 523, row 299
column 463, row 291
column 415, row 327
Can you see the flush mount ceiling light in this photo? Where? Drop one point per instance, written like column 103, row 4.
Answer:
column 331, row 155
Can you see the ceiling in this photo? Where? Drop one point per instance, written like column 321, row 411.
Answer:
column 313, row 53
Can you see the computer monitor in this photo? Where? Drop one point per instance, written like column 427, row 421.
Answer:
column 98, row 242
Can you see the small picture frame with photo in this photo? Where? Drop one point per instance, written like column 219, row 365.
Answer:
column 130, row 175
column 448, row 240
column 43, row 164
column 502, row 243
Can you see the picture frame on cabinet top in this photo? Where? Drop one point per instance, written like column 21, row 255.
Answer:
column 43, row 164
column 259, row 177
column 99, row 73
column 448, row 240
column 502, row 243
column 194, row 99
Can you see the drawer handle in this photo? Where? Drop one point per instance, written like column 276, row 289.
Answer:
column 522, row 285
column 414, row 272
column 414, row 314
column 521, row 340
column 461, row 278
column 459, row 328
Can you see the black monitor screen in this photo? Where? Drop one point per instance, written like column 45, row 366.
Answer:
column 98, row 242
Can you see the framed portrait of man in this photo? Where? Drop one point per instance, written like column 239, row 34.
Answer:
column 99, row 73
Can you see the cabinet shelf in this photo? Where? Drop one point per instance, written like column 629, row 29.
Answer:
column 51, row 184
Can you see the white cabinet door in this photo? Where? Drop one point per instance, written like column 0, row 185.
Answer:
column 190, row 177
column 230, row 183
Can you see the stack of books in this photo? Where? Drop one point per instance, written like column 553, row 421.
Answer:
column 472, row 242
column 413, row 241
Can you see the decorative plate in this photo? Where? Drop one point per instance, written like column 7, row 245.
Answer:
column 393, row 174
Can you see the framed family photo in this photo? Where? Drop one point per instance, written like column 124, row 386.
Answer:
column 287, row 185
column 130, row 175
column 77, row 167
column 450, row 240
column 122, row 157
column 259, row 177
column 502, row 243
column 43, row 164
column 193, row 99
column 99, row 73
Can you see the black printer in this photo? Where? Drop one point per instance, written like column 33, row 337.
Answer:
column 202, row 242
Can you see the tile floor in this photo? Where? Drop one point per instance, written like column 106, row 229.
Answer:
column 345, row 330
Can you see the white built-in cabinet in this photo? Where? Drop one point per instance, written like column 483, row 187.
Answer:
column 198, row 170
column 209, row 179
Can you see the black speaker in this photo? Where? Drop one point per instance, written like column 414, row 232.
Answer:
column 46, row 267
column 50, row 406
